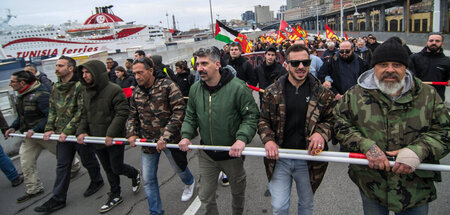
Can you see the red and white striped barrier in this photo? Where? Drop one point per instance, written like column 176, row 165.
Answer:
column 338, row 157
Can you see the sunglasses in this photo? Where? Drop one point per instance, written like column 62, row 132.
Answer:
column 296, row 63
column 144, row 61
column 346, row 51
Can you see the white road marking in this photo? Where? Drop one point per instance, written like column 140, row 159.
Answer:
column 193, row 208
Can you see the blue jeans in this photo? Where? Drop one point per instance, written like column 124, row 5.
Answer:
column 281, row 183
column 7, row 166
column 150, row 169
column 371, row 207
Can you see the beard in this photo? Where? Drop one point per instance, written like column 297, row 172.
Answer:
column 433, row 48
column 390, row 88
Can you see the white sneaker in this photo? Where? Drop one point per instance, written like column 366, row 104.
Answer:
column 188, row 192
column 223, row 179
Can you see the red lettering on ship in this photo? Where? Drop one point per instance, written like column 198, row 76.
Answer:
column 46, row 52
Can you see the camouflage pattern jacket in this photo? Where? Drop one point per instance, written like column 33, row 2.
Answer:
column 418, row 120
column 319, row 119
column 157, row 112
column 66, row 107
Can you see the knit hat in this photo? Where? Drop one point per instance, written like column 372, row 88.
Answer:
column 390, row 50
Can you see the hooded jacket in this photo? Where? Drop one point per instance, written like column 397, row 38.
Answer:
column 319, row 118
column 417, row 120
column 431, row 66
column 160, row 67
column 225, row 114
column 105, row 105
column 112, row 73
column 32, row 108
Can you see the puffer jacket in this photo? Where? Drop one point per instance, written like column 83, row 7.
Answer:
column 105, row 105
column 32, row 108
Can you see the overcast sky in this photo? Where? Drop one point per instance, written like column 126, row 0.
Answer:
column 188, row 13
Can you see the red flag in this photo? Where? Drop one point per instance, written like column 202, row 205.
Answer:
column 280, row 37
column 303, row 33
column 330, row 33
column 128, row 92
column 270, row 39
column 285, row 27
column 345, row 34
column 245, row 43
column 318, row 36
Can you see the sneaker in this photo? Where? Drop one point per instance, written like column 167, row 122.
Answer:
column 223, row 179
column 93, row 188
column 136, row 182
column 18, row 181
column 188, row 192
column 50, row 206
column 28, row 196
column 113, row 200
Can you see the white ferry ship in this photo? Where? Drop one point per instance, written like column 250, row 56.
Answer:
column 101, row 31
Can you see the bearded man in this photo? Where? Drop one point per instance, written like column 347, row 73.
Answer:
column 431, row 64
column 390, row 112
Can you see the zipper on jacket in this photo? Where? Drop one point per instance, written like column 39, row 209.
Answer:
column 210, row 120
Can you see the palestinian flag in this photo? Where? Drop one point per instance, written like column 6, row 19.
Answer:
column 224, row 33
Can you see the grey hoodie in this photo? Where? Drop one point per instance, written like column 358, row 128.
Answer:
column 367, row 81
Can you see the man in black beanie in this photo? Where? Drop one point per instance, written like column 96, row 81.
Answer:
column 344, row 68
column 389, row 112
column 431, row 64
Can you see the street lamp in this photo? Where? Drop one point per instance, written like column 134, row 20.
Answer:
column 342, row 16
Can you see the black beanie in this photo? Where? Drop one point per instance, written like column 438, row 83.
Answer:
column 390, row 50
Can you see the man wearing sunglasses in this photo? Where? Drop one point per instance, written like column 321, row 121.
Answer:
column 296, row 113
column 431, row 64
column 344, row 69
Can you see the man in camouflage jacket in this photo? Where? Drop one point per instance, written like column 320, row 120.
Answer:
column 282, row 112
column 391, row 112
column 66, row 106
column 156, row 112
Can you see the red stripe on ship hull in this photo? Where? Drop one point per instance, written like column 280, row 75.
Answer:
column 121, row 34
column 38, row 39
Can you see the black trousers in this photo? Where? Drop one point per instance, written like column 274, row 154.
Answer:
column 65, row 152
column 111, row 159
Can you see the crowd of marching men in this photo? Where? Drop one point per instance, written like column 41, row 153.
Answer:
column 366, row 96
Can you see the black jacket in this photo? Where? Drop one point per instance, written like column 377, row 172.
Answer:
column 32, row 109
column 105, row 105
column 267, row 75
column 373, row 46
column 429, row 66
column 184, row 82
column 112, row 73
column 126, row 82
column 244, row 70
column 331, row 67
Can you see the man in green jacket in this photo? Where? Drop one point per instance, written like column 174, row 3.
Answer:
column 66, row 107
column 105, row 114
column 224, row 109
column 390, row 112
